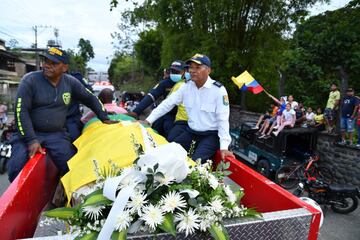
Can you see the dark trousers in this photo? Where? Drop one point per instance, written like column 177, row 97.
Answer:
column 57, row 145
column 164, row 124
column 176, row 130
column 207, row 143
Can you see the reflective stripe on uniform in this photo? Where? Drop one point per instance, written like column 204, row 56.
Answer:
column 18, row 110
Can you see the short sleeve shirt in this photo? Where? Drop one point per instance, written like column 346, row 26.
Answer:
column 333, row 97
column 348, row 105
column 289, row 115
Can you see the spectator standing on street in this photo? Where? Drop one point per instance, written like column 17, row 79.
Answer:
column 349, row 106
column 207, row 106
column 41, row 104
column 3, row 115
column 331, row 107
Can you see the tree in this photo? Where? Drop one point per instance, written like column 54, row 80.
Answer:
column 148, row 50
column 86, row 50
column 236, row 35
column 322, row 47
column 78, row 61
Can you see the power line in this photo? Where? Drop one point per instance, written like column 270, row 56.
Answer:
column 12, row 36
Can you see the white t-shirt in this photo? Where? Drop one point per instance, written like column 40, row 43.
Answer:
column 289, row 115
column 310, row 116
column 294, row 104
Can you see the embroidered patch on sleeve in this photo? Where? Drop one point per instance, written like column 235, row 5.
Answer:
column 226, row 100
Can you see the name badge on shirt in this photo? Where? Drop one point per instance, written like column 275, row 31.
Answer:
column 226, row 100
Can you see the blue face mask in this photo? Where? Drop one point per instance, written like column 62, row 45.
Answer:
column 187, row 76
column 175, row 77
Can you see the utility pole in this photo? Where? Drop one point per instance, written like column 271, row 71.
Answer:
column 35, row 28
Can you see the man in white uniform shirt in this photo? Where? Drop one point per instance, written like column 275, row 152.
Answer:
column 207, row 105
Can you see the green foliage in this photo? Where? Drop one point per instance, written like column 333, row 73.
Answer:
column 236, row 35
column 79, row 60
column 86, row 50
column 218, row 232
column 322, row 44
column 148, row 49
column 168, row 224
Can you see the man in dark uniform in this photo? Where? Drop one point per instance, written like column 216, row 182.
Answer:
column 73, row 119
column 164, row 124
column 41, row 106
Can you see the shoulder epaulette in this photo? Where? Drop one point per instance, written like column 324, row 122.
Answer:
column 218, row 84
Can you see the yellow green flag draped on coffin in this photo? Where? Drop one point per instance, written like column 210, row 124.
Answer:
column 104, row 142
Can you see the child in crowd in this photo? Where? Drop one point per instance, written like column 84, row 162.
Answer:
column 287, row 119
column 319, row 120
column 309, row 117
column 273, row 121
column 300, row 114
column 268, row 114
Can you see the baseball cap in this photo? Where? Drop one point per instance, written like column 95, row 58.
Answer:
column 178, row 65
column 56, row 55
column 349, row 89
column 200, row 59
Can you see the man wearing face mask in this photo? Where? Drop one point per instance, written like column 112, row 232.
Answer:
column 181, row 118
column 162, row 89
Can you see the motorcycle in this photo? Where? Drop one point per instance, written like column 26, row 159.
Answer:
column 5, row 146
column 342, row 198
column 5, row 153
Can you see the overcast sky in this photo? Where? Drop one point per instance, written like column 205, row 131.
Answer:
column 75, row 19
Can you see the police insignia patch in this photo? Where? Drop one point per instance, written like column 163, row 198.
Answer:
column 226, row 100
column 66, row 98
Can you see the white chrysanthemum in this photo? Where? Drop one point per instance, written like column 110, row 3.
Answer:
column 229, row 193
column 123, row 220
column 205, row 223
column 152, row 215
column 137, row 202
column 188, row 222
column 216, row 205
column 172, row 201
column 213, row 181
column 93, row 212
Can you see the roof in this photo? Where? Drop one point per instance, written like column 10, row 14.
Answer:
column 10, row 55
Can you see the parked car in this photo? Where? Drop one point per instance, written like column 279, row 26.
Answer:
column 267, row 155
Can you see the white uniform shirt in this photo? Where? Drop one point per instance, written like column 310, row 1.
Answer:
column 207, row 108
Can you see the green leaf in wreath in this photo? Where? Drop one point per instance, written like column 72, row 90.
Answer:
column 119, row 235
column 192, row 202
column 239, row 194
column 90, row 236
column 97, row 199
column 93, row 193
column 168, row 224
column 62, row 213
column 218, row 232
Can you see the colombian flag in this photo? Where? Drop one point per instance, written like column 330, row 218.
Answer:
column 246, row 82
